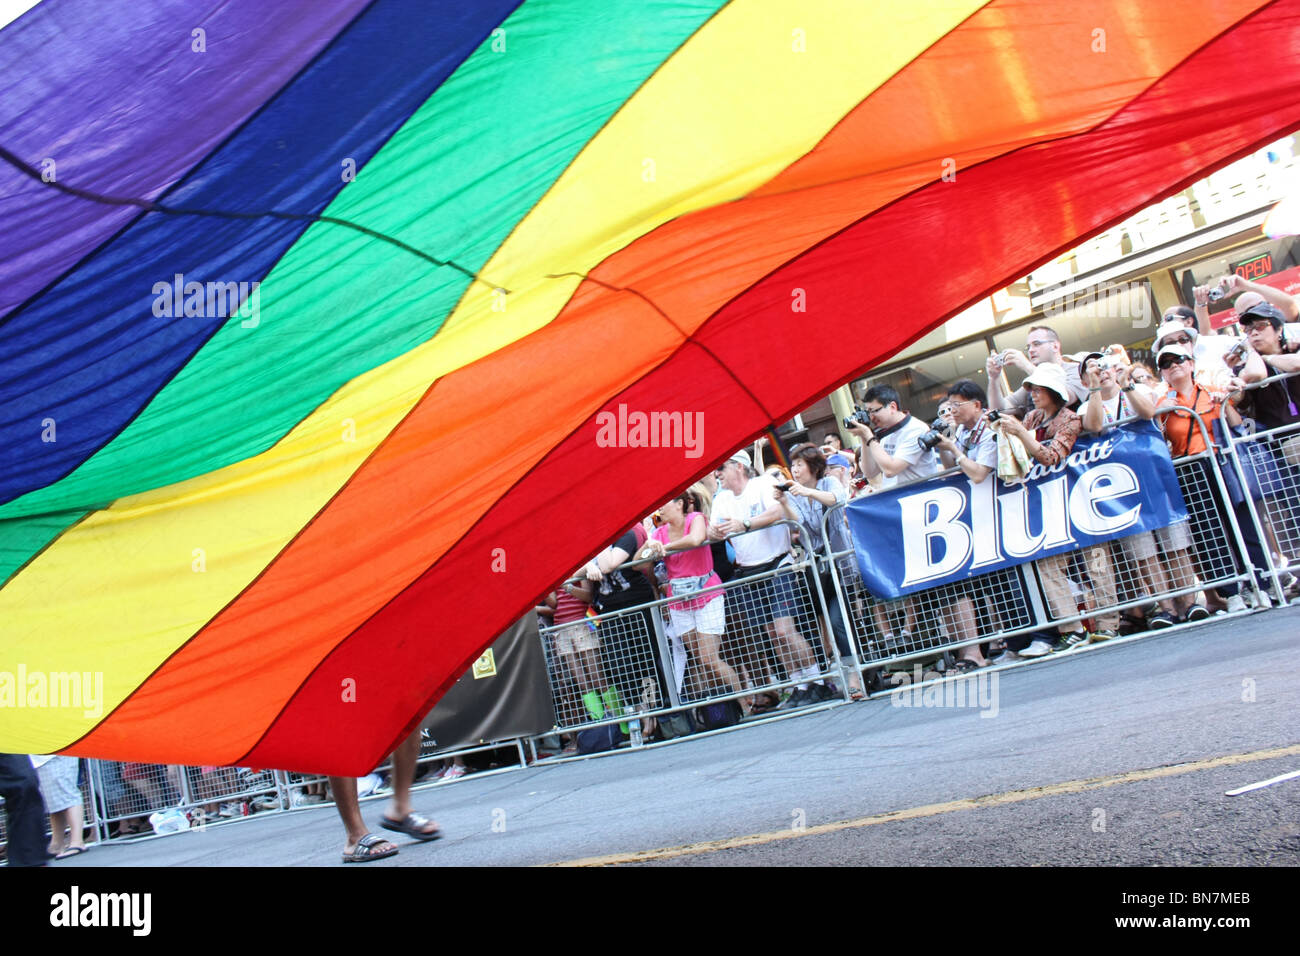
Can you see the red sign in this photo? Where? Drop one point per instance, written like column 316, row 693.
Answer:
column 1256, row 268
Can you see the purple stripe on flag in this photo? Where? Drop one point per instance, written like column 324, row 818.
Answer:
column 124, row 100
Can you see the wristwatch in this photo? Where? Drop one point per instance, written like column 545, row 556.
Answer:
column 746, row 524
column 1128, row 388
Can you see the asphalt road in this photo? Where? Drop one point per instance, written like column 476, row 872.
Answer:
column 1116, row 755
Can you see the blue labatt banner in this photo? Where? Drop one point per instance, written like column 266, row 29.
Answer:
column 920, row 536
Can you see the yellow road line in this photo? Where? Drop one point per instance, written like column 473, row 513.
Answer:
column 936, row 809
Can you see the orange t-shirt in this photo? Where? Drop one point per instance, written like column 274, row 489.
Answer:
column 1181, row 431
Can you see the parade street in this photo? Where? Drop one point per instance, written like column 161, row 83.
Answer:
column 1118, row 755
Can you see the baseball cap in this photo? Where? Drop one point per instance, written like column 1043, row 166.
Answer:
column 1265, row 311
column 741, row 458
column 838, row 460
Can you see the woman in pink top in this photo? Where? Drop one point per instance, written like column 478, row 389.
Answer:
column 682, row 543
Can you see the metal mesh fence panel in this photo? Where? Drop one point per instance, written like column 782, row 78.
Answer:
column 755, row 633
column 773, row 635
column 977, row 609
column 598, row 668
column 1271, row 464
column 1145, row 567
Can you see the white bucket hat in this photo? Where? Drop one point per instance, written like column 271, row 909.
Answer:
column 1051, row 376
column 1172, row 327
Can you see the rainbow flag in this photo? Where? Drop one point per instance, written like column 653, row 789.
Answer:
column 309, row 315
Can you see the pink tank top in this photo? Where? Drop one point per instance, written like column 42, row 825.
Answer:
column 697, row 562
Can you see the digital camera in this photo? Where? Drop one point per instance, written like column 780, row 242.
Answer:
column 859, row 417
column 937, row 433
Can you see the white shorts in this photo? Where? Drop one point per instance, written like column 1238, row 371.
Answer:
column 1137, row 547
column 574, row 637
column 710, row 619
column 1176, row 537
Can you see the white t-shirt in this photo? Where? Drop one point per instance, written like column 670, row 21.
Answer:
column 980, row 443
column 1120, row 407
column 756, row 547
column 904, row 443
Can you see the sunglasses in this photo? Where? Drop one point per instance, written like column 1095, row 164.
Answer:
column 1171, row 361
column 1178, row 340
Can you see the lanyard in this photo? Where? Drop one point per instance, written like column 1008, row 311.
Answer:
column 1121, row 407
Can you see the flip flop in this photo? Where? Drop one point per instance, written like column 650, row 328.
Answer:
column 71, row 851
column 413, row 825
column 365, row 849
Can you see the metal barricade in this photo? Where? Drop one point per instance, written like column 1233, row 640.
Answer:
column 1170, row 563
column 1132, row 572
column 772, row 639
column 1265, row 479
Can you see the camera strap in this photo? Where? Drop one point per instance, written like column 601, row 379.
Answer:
column 974, row 437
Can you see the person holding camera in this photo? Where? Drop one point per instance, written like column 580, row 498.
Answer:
column 1042, row 347
column 806, row 500
column 892, row 440
column 893, row 446
column 972, row 446
column 748, row 515
column 1112, row 398
column 969, row 444
column 1048, row 434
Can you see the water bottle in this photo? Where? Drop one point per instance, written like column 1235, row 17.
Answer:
column 634, row 725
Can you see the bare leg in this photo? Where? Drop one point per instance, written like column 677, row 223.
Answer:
column 1157, row 582
column 589, row 661
column 345, row 798
column 1181, row 576
column 798, row 654
column 58, row 823
column 404, row 758
column 76, row 818
column 960, row 619
column 705, row 648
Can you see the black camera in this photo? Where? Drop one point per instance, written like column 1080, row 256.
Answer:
column 994, row 415
column 859, row 417
column 937, row 433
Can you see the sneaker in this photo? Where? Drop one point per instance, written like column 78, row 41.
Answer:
column 1105, row 634
column 454, row 771
column 228, row 810
column 1037, row 648
column 1068, row 642
column 1262, row 600
column 1198, row 613
column 904, row 636
column 1161, row 620
column 1006, row 657
column 267, row 802
column 1235, row 603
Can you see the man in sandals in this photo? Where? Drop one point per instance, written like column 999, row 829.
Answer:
column 363, row 846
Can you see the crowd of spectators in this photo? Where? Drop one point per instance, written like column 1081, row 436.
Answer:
column 744, row 521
